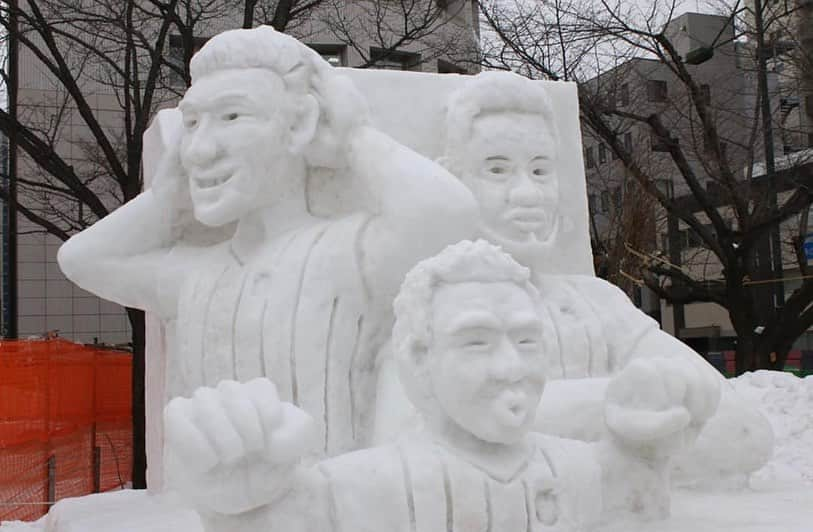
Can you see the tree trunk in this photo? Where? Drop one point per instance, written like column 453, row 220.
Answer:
column 745, row 356
column 139, row 428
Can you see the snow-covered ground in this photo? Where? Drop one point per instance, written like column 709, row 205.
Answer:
column 778, row 498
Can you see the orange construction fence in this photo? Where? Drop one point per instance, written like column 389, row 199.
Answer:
column 65, row 423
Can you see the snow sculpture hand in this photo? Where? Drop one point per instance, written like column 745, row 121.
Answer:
column 658, row 406
column 170, row 188
column 236, row 447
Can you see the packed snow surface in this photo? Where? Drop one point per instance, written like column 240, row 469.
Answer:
column 777, row 498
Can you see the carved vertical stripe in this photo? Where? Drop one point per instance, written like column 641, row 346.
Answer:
column 295, row 322
column 333, row 512
column 205, row 348
column 351, row 376
column 234, row 325
column 447, row 491
column 528, row 526
column 489, row 510
column 408, row 489
column 263, row 370
column 326, row 387
column 559, row 345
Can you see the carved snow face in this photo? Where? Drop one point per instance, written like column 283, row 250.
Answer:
column 233, row 146
column 510, row 165
column 485, row 363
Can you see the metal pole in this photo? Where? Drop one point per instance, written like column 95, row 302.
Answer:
column 97, row 468
column 11, row 238
column 51, row 480
column 770, row 165
column 675, row 257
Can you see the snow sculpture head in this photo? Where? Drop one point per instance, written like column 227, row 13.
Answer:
column 468, row 338
column 501, row 140
column 263, row 108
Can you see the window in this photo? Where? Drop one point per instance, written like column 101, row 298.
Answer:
column 705, row 94
column 656, row 90
column 335, row 54
column 445, row 67
column 664, row 238
column 707, row 147
column 624, row 95
column 657, row 144
column 588, row 155
column 617, row 198
column 628, row 141
column 176, row 58
column 602, row 153
column 666, row 187
column 394, row 60
column 605, row 201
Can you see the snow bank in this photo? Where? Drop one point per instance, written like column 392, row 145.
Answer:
column 787, row 402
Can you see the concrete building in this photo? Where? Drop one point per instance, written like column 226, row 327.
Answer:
column 643, row 87
column 49, row 302
column 789, row 44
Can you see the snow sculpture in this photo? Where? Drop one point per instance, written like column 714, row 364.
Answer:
column 223, row 247
column 502, row 141
column 471, row 343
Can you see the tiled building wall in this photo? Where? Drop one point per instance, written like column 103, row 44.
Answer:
column 49, row 302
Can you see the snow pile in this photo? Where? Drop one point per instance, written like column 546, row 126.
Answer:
column 787, row 402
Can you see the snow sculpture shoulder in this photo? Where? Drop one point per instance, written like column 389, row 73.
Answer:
column 471, row 346
column 502, row 142
column 224, row 248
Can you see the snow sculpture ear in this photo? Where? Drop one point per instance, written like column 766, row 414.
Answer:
column 418, row 354
column 304, row 125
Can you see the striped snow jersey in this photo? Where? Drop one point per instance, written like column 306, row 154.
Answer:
column 299, row 314
column 419, row 486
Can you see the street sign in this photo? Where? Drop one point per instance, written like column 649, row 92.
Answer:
column 809, row 247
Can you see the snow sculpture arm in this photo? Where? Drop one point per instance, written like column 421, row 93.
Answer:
column 420, row 208
column 234, row 451
column 654, row 409
column 132, row 244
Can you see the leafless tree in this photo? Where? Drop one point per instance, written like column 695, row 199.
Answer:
column 705, row 171
column 403, row 34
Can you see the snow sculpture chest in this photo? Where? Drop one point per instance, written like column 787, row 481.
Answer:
column 426, row 488
column 297, row 314
column 582, row 348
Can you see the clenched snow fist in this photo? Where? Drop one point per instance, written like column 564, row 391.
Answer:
column 234, row 447
column 658, row 406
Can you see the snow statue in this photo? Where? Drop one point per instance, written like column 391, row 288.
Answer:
column 223, row 247
column 502, row 141
column 471, row 345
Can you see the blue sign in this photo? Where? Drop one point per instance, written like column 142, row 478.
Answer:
column 809, row 247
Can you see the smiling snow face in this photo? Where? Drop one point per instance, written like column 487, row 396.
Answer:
column 234, row 143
